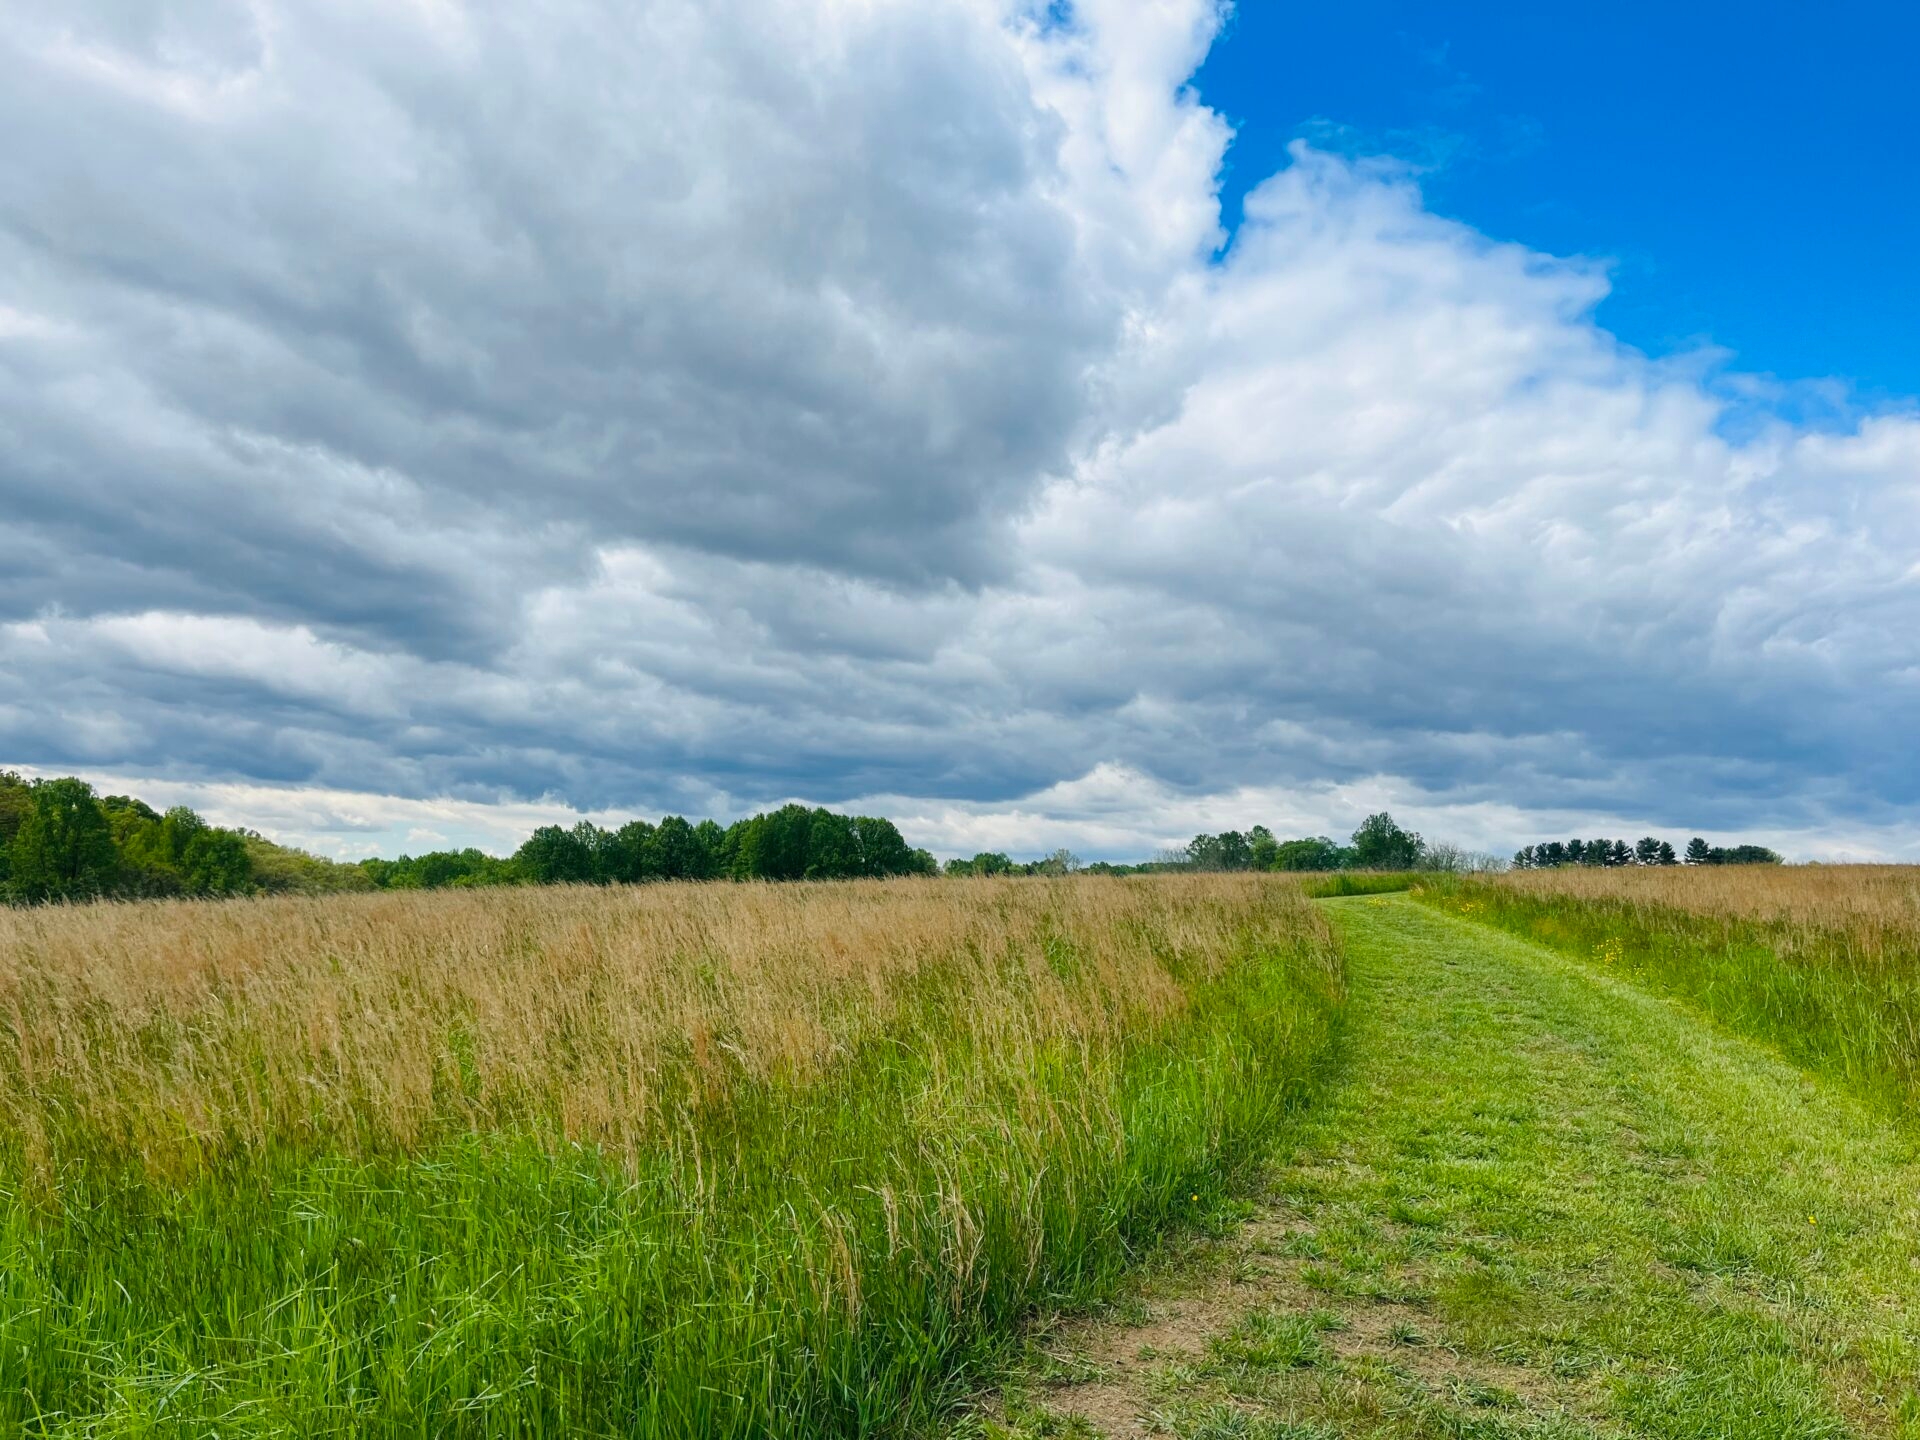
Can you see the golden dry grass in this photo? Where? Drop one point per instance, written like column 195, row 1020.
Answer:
column 1872, row 910
column 1822, row 960
column 310, row 1166
column 372, row 1023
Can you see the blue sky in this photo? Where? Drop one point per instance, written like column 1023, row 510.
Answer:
column 1752, row 171
column 423, row 422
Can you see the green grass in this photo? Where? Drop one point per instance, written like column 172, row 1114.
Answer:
column 1361, row 882
column 1544, row 1202
column 823, row 1260
column 1835, row 999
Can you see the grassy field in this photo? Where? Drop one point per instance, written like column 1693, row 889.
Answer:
column 1544, row 1202
column 1587, row 1154
column 1823, row 961
column 670, row 1160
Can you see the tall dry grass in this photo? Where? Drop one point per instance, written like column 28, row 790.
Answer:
column 1823, row 960
column 371, row 1023
column 672, row 1160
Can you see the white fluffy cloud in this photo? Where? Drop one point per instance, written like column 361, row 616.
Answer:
column 420, row 419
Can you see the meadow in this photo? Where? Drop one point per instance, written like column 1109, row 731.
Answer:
column 848, row 1158
column 660, row 1160
column 1820, row 961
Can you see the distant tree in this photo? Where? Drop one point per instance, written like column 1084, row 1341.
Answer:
column 678, row 849
column 1523, row 858
column 1314, row 853
column 1620, row 854
column 1575, row 852
column 773, row 845
column 633, row 856
column 1060, row 862
column 987, row 862
column 1229, row 850
column 216, row 862
column 282, row 870
column 706, row 855
column 1667, row 857
column 833, row 847
column 1699, row 852
column 1646, row 851
column 556, row 856
column 16, row 799
column 882, row 849
column 1748, row 855
column 63, row 849
column 1261, row 848
column 1380, row 844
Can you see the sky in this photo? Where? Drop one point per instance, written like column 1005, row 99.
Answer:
column 1045, row 425
column 1746, row 170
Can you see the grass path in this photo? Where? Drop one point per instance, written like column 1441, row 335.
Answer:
column 1540, row 1202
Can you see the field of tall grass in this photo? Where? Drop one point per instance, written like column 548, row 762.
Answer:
column 1822, row 961
column 672, row 1160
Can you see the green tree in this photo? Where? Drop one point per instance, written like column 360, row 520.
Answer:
column 673, row 843
column 1667, row 857
column 1380, row 844
column 883, row 851
column 1315, row 853
column 633, row 856
column 215, row 862
column 1647, row 851
column 833, row 847
column 1699, row 852
column 1060, row 862
column 1261, row 847
column 708, row 857
column 553, row 855
column 63, row 849
column 1229, row 850
column 987, row 862
column 16, row 800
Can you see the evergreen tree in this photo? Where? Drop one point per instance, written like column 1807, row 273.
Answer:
column 1699, row 852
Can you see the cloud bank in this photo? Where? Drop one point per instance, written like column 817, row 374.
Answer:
column 420, row 418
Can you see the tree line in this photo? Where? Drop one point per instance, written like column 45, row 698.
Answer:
column 1379, row 842
column 61, row 841
column 1648, row 850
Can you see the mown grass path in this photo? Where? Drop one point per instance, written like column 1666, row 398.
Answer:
column 1539, row 1202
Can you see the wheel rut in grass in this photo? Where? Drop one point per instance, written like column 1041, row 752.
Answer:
column 1539, row 1201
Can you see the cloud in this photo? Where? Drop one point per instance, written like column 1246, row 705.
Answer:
column 454, row 415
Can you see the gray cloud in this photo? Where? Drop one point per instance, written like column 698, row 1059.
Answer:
column 698, row 406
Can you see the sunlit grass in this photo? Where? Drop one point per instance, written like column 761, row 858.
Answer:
column 1823, row 961
column 671, row 1161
